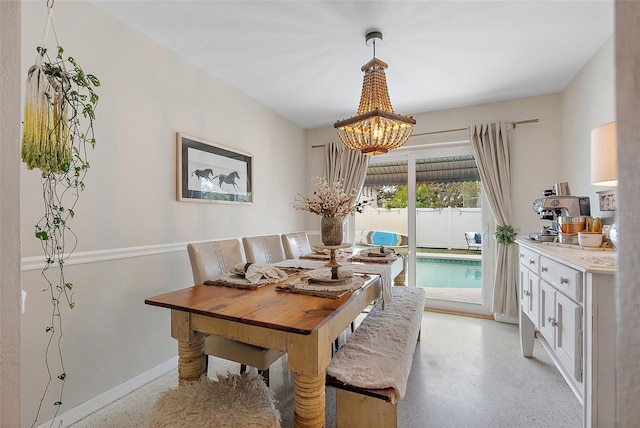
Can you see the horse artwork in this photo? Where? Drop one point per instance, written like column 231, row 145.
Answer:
column 228, row 179
column 203, row 174
column 212, row 173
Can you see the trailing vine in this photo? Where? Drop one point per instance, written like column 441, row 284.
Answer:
column 58, row 126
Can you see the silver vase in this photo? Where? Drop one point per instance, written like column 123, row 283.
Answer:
column 331, row 230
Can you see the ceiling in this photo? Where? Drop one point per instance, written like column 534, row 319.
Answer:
column 302, row 59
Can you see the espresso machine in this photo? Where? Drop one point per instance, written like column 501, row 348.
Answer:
column 567, row 214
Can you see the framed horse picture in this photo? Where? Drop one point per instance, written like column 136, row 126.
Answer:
column 210, row 172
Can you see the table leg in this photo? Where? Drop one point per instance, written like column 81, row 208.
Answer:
column 400, row 278
column 191, row 359
column 309, row 401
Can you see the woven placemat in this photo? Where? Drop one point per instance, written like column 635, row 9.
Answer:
column 302, row 286
column 387, row 259
column 234, row 281
column 316, row 256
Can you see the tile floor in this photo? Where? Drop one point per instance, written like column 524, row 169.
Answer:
column 467, row 372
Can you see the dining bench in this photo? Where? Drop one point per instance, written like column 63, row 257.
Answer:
column 371, row 370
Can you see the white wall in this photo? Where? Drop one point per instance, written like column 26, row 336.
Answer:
column 534, row 159
column 9, row 215
column 147, row 95
column 588, row 102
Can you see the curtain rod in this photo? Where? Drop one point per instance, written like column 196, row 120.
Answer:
column 513, row 123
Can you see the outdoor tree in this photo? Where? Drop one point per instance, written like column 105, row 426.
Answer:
column 433, row 195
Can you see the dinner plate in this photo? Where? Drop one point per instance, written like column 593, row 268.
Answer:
column 374, row 254
column 324, row 276
column 329, row 281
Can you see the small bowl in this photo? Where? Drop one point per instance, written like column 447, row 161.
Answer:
column 590, row 239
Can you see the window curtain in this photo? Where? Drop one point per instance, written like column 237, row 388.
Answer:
column 347, row 165
column 490, row 143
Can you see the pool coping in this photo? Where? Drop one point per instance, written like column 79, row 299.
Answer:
column 477, row 257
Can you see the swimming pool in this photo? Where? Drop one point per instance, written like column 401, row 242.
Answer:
column 448, row 273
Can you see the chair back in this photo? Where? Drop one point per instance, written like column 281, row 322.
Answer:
column 296, row 244
column 212, row 259
column 263, row 249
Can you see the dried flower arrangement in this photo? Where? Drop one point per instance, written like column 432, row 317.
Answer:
column 328, row 200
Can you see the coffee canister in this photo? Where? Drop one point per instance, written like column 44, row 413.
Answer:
column 569, row 226
column 572, row 224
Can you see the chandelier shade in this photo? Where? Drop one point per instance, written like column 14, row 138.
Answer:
column 375, row 129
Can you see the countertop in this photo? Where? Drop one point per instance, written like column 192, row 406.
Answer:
column 585, row 260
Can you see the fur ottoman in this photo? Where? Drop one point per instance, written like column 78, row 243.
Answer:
column 232, row 401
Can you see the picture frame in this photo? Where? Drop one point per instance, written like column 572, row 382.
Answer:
column 209, row 172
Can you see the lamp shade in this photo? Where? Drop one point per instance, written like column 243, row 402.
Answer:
column 604, row 168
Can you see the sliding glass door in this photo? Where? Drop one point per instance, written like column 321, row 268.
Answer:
column 431, row 198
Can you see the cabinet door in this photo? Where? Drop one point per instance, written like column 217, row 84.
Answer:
column 524, row 288
column 568, row 344
column 548, row 312
column 529, row 291
column 534, row 298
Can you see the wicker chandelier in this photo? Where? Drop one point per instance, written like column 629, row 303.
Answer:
column 375, row 129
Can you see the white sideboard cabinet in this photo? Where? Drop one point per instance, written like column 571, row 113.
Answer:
column 567, row 302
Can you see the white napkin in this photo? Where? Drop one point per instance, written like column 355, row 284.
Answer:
column 339, row 253
column 258, row 271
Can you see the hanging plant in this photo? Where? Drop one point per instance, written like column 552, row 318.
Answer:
column 505, row 235
column 58, row 126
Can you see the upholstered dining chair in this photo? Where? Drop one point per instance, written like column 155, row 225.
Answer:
column 263, row 249
column 296, row 244
column 210, row 260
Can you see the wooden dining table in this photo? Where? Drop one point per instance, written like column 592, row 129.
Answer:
column 301, row 325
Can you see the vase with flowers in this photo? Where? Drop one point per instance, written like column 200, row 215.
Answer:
column 332, row 203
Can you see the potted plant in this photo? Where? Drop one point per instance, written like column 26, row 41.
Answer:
column 59, row 116
column 332, row 203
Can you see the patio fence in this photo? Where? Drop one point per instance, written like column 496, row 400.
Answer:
column 435, row 227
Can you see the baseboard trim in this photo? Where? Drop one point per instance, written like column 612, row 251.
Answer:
column 88, row 407
column 464, row 314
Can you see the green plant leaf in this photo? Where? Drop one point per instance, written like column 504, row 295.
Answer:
column 505, row 235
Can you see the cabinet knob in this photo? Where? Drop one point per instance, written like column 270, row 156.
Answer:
column 526, row 293
column 552, row 321
column 522, row 255
column 544, row 268
column 532, row 262
column 564, row 280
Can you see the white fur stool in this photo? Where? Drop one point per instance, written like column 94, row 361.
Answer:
column 233, row 401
